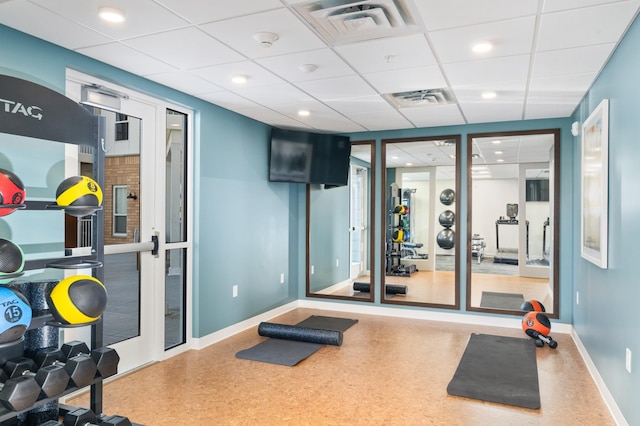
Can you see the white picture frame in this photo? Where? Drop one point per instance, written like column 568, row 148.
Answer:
column 594, row 174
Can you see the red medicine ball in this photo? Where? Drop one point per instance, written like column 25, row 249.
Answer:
column 11, row 191
column 534, row 322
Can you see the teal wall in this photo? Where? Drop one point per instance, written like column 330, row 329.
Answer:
column 242, row 223
column 605, row 319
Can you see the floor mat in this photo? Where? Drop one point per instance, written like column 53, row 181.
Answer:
column 290, row 352
column 510, row 301
column 498, row 369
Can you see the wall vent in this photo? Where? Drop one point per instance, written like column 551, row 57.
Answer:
column 348, row 21
column 416, row 98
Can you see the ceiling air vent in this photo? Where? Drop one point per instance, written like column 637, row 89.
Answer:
column 347, row 21
column 416, row 98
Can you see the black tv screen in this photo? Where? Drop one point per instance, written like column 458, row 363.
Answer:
column 305, row 157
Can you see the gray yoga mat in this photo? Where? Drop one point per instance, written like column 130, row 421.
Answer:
column 498, row 369
column 289, row 345
column 509, row 301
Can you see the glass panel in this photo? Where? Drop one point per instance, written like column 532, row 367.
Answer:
column 176, row 158
column 120, row 199
column 120, row 225
column 175, row 308
column 511, row 235
column 338, row 227
column 420, row 216
column 121, row 319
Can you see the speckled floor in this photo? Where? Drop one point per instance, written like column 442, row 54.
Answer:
column 388, row 371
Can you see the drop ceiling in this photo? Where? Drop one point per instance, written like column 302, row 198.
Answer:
column 546, row 54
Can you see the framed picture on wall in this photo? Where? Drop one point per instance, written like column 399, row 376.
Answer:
column 595, row 185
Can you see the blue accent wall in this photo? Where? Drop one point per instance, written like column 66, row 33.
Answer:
column 605, row 318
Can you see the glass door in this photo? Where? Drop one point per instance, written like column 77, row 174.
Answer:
column 358, row 225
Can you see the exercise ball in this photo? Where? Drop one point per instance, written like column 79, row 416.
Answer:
column 11, row 258
column 16, row 315
column 447, row 197
column 11, row 192
column 532, row 306
column 446, row 239
column 78, row 299
column 80, row 192
column 534, row 323
column 400, row 209
column 447, row 218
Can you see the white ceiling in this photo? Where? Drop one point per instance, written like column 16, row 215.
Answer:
column 546, row 54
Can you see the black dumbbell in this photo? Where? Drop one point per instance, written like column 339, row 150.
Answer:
column 106, row 358
column 85, row 417
column 52, row 379
column 19, row 393
column 80, row 368
column 51, row 423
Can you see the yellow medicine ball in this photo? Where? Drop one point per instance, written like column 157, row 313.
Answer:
column 78, row 192
column 78, row 299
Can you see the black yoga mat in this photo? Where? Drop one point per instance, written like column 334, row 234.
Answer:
column 510, row 301
column 498, row 369
column 288, row 344
column 388, row 288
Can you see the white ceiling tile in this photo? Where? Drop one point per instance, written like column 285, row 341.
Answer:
column 42, row 23
column 221, row 75
column 576, row 84
column 438, row 14
column 337, row 88
column 571, row 61
column 185, row 82
column 263, row 95
column 407, row 79
column 273, row 118
column 238, row 33
column 388, row 54
column 228, row 100
column 512, row 37
column 506, row 90
column 374, row 121
column 124, row 57
column 200, row 12
column 137, row 15
column 185, row 48
column 548, row 110
column 361, row 105
column 434, row 115
column 483, row 112
column 558, row 5
column 488, row 71
column 288, row 66
column 586, row 26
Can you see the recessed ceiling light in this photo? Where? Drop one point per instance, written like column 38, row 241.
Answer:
column 111, row 14
column 304, row 113
column 395, row 157
column 498, row 152
column 500, row 160
column 409, row 164
column 239, row 79
column 482, row 47
column 496, row 141
column 489, row 95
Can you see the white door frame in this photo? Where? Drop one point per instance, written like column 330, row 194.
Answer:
column 150, row 346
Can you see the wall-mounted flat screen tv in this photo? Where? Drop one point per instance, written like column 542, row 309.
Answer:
column 305, row 157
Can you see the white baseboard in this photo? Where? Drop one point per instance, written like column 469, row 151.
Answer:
column 618, row 417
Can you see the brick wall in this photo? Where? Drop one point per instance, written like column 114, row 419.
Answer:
column 123, row 170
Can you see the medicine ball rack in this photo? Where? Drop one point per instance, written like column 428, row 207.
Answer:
column 399, row 226
column 61, row 120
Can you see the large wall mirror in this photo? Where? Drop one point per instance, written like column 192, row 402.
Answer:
column 420, row 253
column 339, row 238
column 512, row 241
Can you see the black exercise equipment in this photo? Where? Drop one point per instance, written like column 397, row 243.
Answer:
column 447, row 218
column 19, row 393
column 300, row 334
column 86, row 417
column 398, row 232
column 102, row 361
column 509, row 255
column 388, row 288
column 446, row 239
column 447, row 196
column 52, row 379
column 11, row 258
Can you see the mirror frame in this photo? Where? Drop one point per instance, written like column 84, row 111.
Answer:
column 556, row 217
column 383, row 222
column 372, row 201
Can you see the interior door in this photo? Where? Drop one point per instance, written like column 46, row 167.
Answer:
column 358, row 225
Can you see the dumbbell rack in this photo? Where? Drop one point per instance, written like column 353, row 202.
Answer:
column 82, row 128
